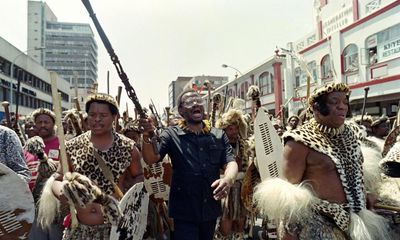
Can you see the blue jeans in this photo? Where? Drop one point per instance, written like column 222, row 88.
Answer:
column 187, row 230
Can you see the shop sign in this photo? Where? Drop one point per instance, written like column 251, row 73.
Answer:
column 338, row 21
column 389, row 50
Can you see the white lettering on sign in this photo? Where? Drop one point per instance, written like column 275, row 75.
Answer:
column 389, row 50
column 338, row 21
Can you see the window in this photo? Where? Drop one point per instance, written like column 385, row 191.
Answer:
column 266, row 84
column 372, row 55
column 301, row 76
column 350, row 58
column 297, row 75
column 326, row 70
column 383, row 46
column 312, row 67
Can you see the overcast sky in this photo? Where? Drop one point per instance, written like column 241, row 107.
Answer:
column 159, row 40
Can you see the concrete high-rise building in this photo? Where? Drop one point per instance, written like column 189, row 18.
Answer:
column 197, row 82
column 175, row 88
column 70, row 48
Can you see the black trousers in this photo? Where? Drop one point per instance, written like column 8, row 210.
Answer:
column 188, row 230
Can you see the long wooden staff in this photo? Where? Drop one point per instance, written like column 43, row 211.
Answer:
column 156, row 119
column 156, row 114
column 208, row 86
column 398, row 116
column 167, row 109
column 118, row 127
column 216, row 102
column 127, row 113
column 364, row 103
column 119, row 95
column 7, row 113
column 387, row 207
column 60, row 133
column 78, row 108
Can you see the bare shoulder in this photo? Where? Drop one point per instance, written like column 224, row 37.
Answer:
column 294, row 147
column 294, row 161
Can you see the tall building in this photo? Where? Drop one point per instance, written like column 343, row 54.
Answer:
column 70, row 48
column 197, row 82
column 176, row 87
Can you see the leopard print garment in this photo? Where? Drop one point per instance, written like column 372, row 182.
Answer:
column 342, row 147
column 117, row 158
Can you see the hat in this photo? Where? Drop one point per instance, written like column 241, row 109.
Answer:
column 131, row 126
column 101, row 97
column 326, row 89
column 233, row 117
column 41, row 111
column 379, row 120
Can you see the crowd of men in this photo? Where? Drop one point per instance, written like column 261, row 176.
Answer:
column 333, row 185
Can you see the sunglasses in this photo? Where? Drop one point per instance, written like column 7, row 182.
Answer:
column 193, row 101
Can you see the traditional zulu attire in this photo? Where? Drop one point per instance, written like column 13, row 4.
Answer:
column 44, row 161
column 309, row 217
column 232, row 205
column 117, row 158
column 87, row 182
column 389, row 189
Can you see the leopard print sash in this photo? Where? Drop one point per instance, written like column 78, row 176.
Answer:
column 342, row 147
column 117, row 158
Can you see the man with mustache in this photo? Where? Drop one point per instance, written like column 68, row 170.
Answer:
column 197, row 152
column 44, row 120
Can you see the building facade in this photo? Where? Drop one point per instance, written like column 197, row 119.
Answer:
column 70, row 48
column 355, row 42
column 34, row 80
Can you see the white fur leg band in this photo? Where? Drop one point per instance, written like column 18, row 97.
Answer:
column 49, row 205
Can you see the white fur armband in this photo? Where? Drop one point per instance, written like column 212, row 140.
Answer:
column 279, row 199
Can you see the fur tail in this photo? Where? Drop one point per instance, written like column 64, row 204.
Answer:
column 49, row 205
column 367, row 225
column 372, row 172
column 277, row 198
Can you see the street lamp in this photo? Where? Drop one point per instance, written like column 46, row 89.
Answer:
column 12, row 72
column 237, row 70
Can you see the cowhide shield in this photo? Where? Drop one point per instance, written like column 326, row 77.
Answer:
column 17, row 209
column 157, row 179
column 134, row 206
column 269, row 147
column 390, row 140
